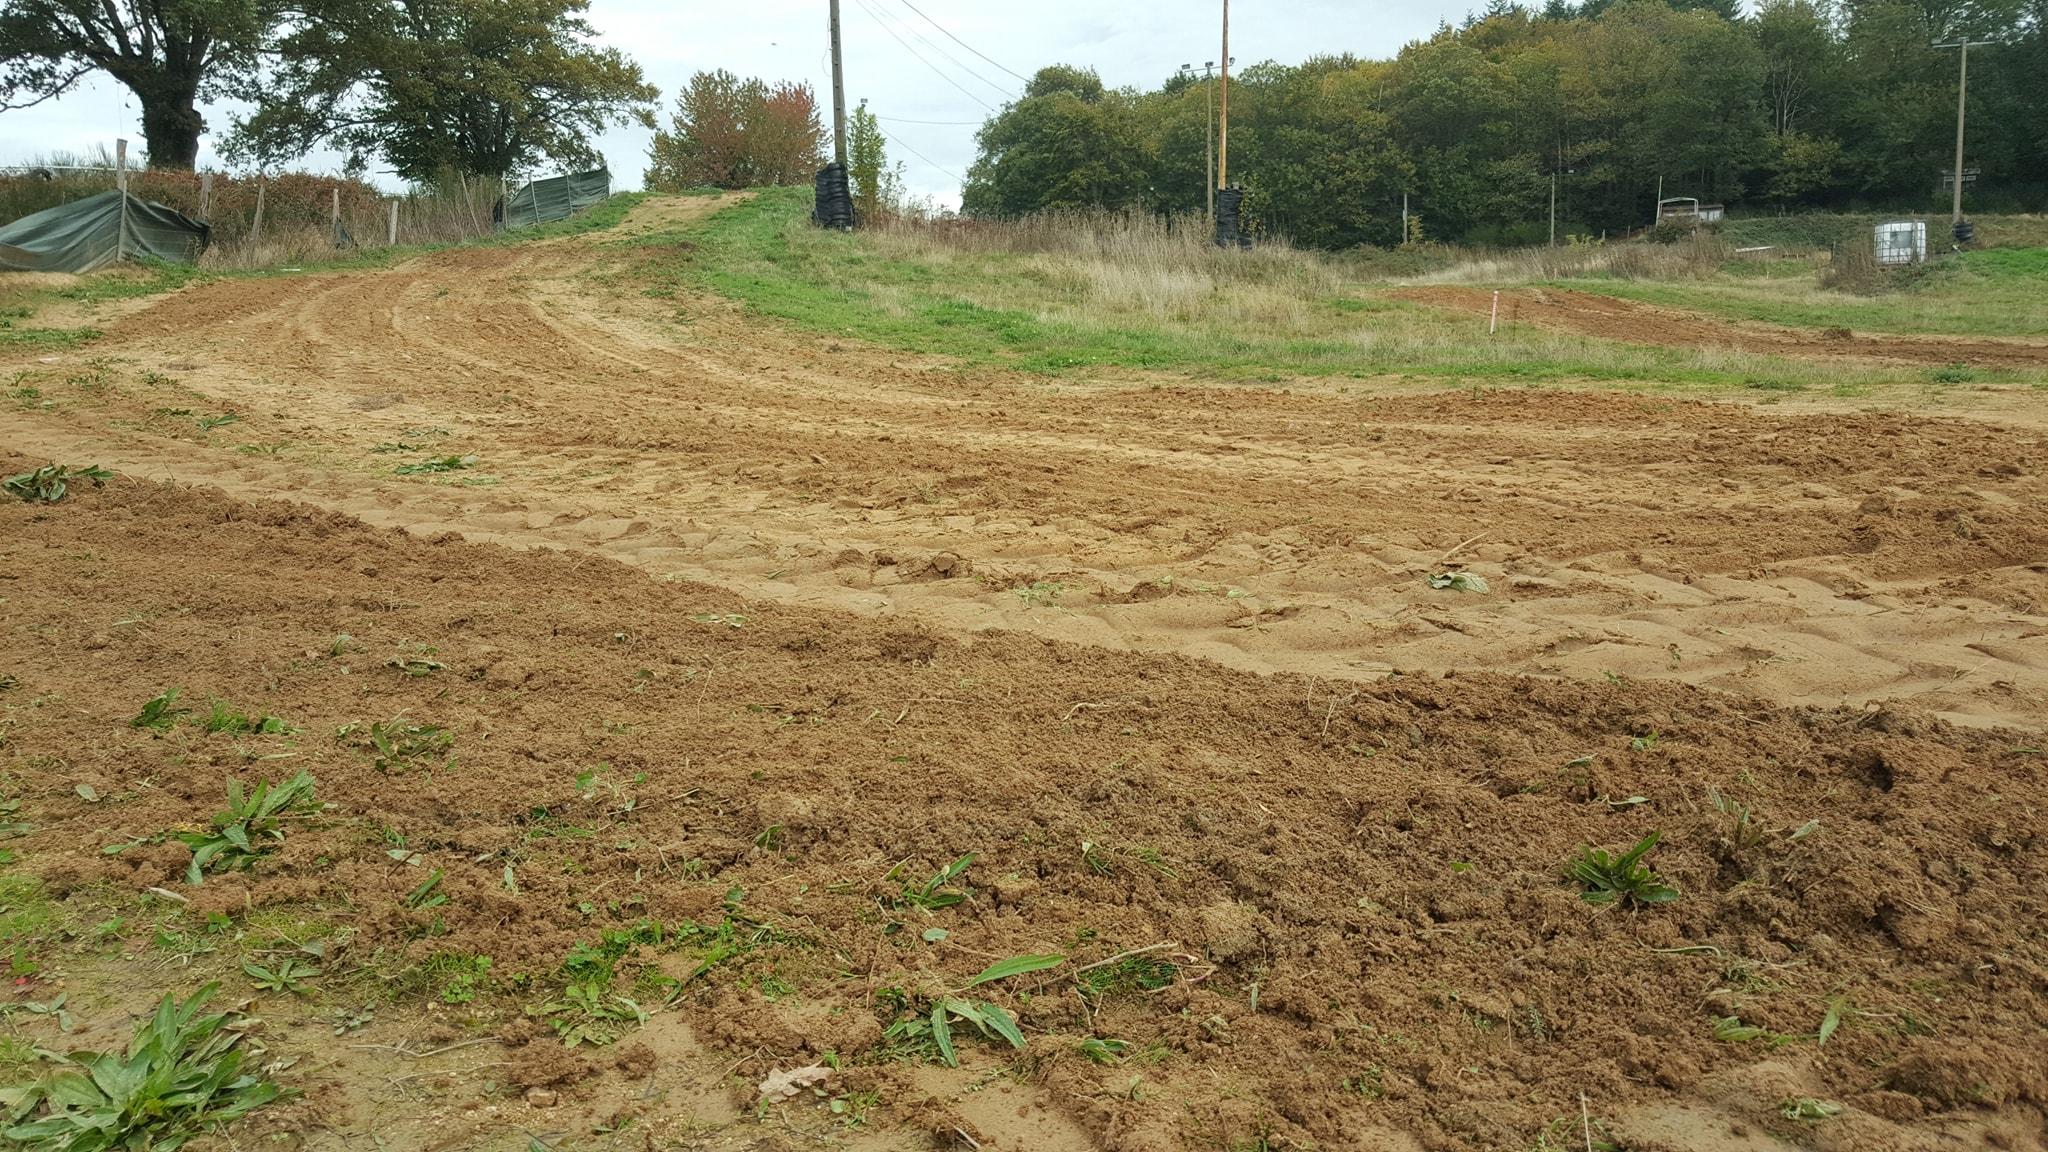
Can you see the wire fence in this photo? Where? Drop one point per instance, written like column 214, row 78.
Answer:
column 264, row 220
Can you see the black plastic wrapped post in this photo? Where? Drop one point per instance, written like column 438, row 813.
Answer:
column 1229, row 227
column 835, row 199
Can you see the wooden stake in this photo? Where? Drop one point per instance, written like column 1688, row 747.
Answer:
column 391, row 233
column 1493, row 325
column 334, row 220
column 256, row 228
column 121, row 185
column 205, row 197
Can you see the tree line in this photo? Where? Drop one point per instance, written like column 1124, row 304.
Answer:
column 424, row 87
column 1802, row 104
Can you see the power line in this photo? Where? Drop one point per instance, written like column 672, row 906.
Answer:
column 936, row 123
column 957, row 40
column 921, row 156
column 873, row 15
column 956, row 62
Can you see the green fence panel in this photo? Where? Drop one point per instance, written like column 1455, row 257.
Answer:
column 556, row 198
column 86, row 234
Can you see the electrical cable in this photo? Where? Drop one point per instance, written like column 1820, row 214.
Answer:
column 957, row 40
column 956, row 62
column 873, row 15
column 922, row 156
column 935, row 123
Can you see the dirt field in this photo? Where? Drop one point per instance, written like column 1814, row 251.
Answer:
column 1811, row 558
column 1636, row 323
column 904, row 614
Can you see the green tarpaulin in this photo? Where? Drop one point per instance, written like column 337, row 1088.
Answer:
column 556, row 198
column 87, row 234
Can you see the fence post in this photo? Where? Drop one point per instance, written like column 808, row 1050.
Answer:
column 391, row 236
column 256, row 228
column 335, row 218
column 121, row 186
column 206, row 197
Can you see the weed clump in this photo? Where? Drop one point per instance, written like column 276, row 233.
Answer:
column 180, row 1077
column 1606, row 878
column 48, row 484
column 249, row 828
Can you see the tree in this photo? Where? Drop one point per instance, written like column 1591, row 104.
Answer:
column 877, row 187
column 478, row 87
column 170, row 53
column 1068, row 143
column 734, row 133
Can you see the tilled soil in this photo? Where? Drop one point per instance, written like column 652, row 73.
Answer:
column 1357, row 886
column 1636, row 323
column 1807, row 557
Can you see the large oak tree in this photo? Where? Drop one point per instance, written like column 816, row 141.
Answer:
column 477, row 87
column 171, row 54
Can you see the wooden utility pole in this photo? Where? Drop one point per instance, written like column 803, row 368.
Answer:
column 121, row 185
column 1223, row 144
column 838, row 92
column 1962, row 104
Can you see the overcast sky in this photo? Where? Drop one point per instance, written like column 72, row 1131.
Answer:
column 903, row 65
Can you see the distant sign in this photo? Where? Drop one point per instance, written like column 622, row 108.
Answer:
column 1948, row 177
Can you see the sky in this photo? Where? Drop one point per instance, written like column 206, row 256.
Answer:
column 930, row 89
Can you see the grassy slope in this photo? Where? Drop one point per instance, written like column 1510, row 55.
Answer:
column 1033, row 313
column 1997, row 292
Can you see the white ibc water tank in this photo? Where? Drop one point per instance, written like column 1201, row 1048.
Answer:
column 1902, row 242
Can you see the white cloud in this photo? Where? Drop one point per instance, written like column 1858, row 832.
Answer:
column 915, row 74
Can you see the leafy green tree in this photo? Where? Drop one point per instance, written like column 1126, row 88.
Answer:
column 481, row 87
column 171, row 54
column 733, row 133
column 877, row 187
column 1067, row 143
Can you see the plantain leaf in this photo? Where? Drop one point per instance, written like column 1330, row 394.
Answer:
column 1015, row 966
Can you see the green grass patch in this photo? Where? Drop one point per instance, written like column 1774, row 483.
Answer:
column 1164, row 304
column 1995, row 292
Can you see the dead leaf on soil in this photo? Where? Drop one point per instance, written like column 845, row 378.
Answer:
column 779, row 1085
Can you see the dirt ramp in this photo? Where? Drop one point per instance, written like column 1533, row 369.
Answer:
column 1633, row 323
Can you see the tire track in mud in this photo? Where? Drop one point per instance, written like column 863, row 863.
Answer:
column 1814, row 558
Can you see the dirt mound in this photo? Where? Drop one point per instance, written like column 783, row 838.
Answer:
column 1312, row 912
column 1634, row 323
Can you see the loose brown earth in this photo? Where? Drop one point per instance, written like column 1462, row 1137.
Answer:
column 858, row 656
column 1636, row 323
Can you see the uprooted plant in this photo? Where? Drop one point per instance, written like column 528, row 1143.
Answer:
column 924, row 1025
column 934, row 893
column 251, row 826
column 48, row 484
column 180, row 1077
column 1605, row 878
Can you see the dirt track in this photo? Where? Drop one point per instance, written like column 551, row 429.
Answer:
column 1813, row 559
column 1635, row 323
column 1354, row 878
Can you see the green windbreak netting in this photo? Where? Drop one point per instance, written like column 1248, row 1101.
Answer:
column 556, row 198
column 87, row 234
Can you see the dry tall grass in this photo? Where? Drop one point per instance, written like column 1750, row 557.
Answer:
column 1130, row 265
column 1700, row 255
